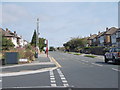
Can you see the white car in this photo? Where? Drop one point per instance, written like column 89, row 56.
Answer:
column 113, row 54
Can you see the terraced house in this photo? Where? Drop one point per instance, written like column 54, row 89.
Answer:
column 110, row 37
column 16, row 39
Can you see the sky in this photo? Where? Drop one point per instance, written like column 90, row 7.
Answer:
column 59, row 21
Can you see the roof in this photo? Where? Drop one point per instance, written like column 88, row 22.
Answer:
column 5, row 33
column 101, row 34
column 111, row 31
column 92, row 36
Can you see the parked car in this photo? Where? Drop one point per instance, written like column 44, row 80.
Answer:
column 113, row 54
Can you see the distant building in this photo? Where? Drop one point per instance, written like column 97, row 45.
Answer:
column 17, row 40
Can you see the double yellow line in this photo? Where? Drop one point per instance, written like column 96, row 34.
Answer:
column 53, row 60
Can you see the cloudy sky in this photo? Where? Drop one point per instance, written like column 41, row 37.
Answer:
column 59, row 21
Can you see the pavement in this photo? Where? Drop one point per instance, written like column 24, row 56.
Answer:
column 71, row 71
column 41, row 64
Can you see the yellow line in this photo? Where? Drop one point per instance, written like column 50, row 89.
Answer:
column 57, row 64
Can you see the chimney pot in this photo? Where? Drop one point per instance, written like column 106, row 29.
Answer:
column 15, row 32
column 99, row 32
column 7, row 29
column 107, row 29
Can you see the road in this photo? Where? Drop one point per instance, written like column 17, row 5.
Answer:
column 75, row 71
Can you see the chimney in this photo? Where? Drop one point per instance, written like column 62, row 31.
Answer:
column 7, row 29
column 107, row 29
column 90, row 35
column 14, row 32
column 99, row 32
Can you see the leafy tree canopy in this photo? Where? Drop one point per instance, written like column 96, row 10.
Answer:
column 7, row 44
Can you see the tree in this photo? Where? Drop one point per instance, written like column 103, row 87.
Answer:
column 7, row 44
column 75, row 44
column 51, row 49
column 41, row 44
column 34, row 39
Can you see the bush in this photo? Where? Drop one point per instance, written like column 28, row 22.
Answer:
column 29, row 55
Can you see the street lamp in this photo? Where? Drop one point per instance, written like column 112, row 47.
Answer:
column 37, row 39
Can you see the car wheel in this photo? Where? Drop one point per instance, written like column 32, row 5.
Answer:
column 106, row 60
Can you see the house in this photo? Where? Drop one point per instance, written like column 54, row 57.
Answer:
column 92, row 40
column 17, row 40
column 110, row 36
column 118, row 37
column 25, row 42
column 101, row 38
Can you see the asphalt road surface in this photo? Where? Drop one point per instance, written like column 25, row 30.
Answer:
column 75, row 71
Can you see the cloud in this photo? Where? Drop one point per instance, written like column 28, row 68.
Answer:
column 13, row 13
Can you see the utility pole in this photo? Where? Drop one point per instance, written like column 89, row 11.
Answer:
column 37, row 38
column 38, row 30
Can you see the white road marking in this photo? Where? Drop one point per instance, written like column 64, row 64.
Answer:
column 52, row 79
column 64, row 81
column 29, row 64
column 115, row 69
column 66, row 85
column 84, row 60
column 61, row 75
column 51, row 76
column 53, row 85
column 63, row 78
column 97, row 64
column 29, row 72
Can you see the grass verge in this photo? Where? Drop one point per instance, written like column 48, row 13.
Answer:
column 91, row 56
column 77, row 53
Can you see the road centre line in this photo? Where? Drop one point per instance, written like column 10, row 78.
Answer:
column 97, row 64
column 84, row 61
column 115, row 69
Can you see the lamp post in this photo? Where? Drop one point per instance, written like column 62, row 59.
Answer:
column 37, row 39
